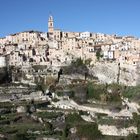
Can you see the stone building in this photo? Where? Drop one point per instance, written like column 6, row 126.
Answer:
column 57, row 46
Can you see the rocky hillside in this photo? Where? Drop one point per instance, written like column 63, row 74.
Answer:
column 113, row 72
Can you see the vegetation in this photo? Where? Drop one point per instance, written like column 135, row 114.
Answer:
column 5, row 104
column 89, row 131
column 132, row 93
column 88, row 61
column 49, row 115
column 136, row 119
column 118, row 123
column 83, row 129
column 99, row 54
column 74, row 119
column 94, row 91
column 76, row 66
column 20, row 124
column 60, row 72
column 39, row 67
column 81, row 112
column 78, row 62
column 104, row 93
column 133, row 137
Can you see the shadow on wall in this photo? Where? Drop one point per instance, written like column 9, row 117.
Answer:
column 4, row 76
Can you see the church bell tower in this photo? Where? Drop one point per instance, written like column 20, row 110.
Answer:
column 50, row 25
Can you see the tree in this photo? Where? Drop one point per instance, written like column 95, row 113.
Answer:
column 65, row 132
column 98, row 54
column 86, row 74
column 59, row 73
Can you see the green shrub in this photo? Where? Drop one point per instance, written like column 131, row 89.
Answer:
column 132, row 93
column 20, row 136
column 74, row 118
column 81, row 112
column 76, row 66
column 49, row 115
column 94, row 91
column 99, row 54
column 78, row 62
column 100, row 92
column 89, row 131
column 136, row 119
column 133, row 137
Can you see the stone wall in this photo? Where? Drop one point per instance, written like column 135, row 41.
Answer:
column 114, row 131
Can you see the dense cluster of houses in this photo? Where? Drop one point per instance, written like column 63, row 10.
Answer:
column 57, row 47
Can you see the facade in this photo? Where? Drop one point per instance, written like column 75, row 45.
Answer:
column 85, row 35
column 2, row 61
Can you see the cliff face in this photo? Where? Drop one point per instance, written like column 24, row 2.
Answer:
column 106, row 72
column 114, row 72
column 128, row 75
column 138, row 73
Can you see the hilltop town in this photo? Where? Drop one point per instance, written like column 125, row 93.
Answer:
column 57, row 48
column 34, row 46
column 60, row 85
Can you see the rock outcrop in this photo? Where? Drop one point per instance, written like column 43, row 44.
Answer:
column 116, row 73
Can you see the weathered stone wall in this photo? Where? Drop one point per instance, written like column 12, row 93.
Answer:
column 16, row 90
column 17, row 93
column 114, row 131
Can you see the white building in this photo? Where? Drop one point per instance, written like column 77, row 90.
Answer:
column 105, row 54
column 110, row 54
column 85, row 35
column 44, row 35
column 2, row 61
